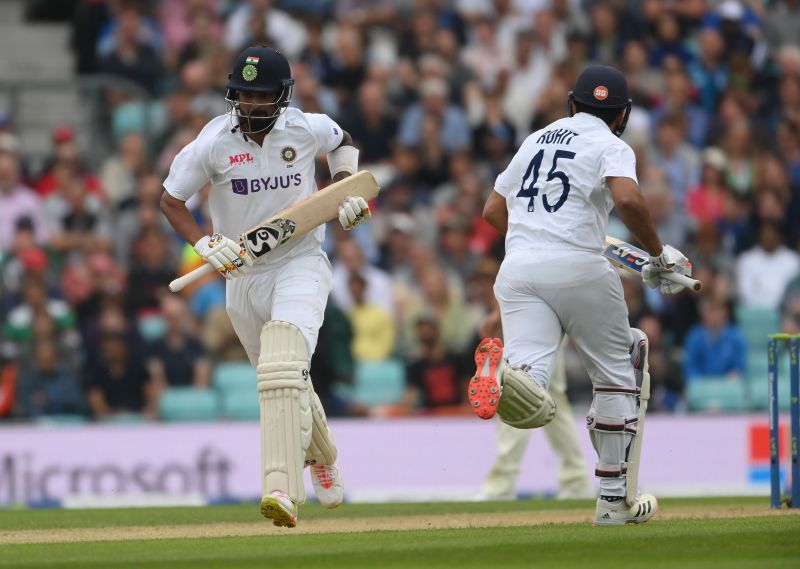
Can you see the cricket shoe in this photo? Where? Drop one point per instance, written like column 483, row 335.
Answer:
column 278, row 507
column 618, row 513
column 518, row 399
column 639, row 354
column 484, row 387
column 328, row 485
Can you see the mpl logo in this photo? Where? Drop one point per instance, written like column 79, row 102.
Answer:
column 236, row 159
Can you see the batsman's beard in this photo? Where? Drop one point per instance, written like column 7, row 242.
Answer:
column 255, row 123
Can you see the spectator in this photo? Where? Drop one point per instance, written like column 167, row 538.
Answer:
column 64, row 163
column 679, row 161
column 438, row 377
column 715, row 346
column 132, row 58
column 763, row 272
column 740, row 164
column 349, row 260
column 444, row 300
column 606, row 44
column 24, row 259
column 121, row 170
column 118, row 382
column 434, row 101
column 178, row 358
column 17, row 202
column 78, row 220
column 35, row 300
column 706, row 202
column 677, row 101
column 348, row 70
column 781, row 22
column 150, row 272
column 373, row 326
column 370, row 123
column 709, row 73
column 333, row 362
column 49, row 387
column 220, row 339
column 255, row 21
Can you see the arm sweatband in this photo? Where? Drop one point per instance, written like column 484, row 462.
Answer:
column 343, row 159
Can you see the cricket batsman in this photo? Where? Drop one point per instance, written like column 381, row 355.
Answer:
column 552, row 204
column 259, row 159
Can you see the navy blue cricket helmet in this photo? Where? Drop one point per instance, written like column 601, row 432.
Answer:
column 260, row 69
column 602, row 87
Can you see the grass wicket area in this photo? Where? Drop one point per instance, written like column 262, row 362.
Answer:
column 730, row 533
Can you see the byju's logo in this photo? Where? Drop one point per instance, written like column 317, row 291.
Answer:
column 243, row 186
column 239, row 186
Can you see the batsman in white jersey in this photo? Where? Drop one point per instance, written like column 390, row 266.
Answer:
column 259, row 159
column 552, row 203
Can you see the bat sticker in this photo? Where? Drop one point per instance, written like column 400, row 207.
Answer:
column 262, row 240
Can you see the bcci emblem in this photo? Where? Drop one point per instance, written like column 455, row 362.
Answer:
column 249, row 72
column 288, row 154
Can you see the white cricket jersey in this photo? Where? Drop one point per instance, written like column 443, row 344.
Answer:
column 555, row 186
column 251, row 183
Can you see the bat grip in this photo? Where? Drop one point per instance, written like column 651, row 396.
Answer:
column 681, row 279
column 187, row 279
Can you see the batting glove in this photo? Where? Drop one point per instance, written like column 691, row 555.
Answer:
column 353, row 211
column 224, row 254
column 670, row 259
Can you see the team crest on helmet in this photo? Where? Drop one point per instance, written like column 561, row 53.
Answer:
column 600, row 92
column 249, row 72
column 289, row 153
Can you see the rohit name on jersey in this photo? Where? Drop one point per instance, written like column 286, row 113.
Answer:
column 557, row 136
column 243, row 186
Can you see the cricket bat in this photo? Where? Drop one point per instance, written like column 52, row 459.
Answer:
column 630, row 258
column 295, row 221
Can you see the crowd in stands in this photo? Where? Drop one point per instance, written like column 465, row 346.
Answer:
column 438, row 95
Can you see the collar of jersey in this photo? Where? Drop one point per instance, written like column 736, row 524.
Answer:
column 590, row 118
column 280, row 124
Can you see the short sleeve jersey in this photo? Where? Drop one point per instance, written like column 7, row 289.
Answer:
column 555, row 186
column 251, row 183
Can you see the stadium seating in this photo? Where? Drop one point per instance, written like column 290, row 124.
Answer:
column 756, row 323
column 235, row 383
column 717, row 394
column 188, row 404
column 233, row 375
column 757, row 385
column 239, row 403
column 379, row 383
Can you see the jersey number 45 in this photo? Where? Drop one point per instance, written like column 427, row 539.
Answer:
column 528, row 188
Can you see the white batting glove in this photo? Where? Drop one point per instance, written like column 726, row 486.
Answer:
column 224, row 254
column 670, row 259
column 353, row 211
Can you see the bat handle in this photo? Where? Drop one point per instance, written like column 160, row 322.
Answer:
column 187, row 279
column 681, row 279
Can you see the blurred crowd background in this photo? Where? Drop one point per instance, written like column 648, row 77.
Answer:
column 437, row 95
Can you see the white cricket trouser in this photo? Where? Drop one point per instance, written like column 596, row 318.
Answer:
column 295, row 291
column 573, row 481
column 542, row 296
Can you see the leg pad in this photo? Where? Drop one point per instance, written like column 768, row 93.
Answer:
column 284, row 390
column 524, row 403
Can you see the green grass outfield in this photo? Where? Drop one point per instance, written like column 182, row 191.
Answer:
column 738, row 532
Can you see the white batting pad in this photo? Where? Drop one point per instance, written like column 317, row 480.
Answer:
column 524, row 403
column 284, row 390
column 322, row 449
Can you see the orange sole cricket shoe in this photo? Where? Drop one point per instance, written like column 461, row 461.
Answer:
column 484, row 388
